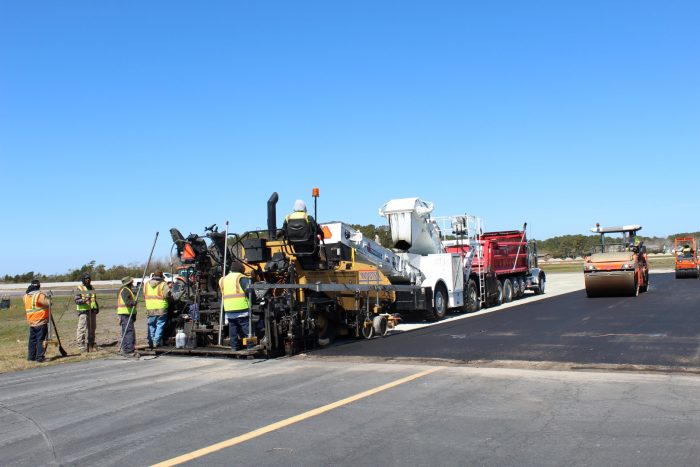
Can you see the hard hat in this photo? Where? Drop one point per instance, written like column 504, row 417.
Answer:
column 127, row 280
column 86, row 276
column 299, row 205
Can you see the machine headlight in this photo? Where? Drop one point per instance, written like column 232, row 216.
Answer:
column 589, row 267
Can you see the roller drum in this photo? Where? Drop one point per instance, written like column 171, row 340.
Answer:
column 611, row 283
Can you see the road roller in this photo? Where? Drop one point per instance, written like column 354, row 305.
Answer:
column 618, row 265
column 686, row 258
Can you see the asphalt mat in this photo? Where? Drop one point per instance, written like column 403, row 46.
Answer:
column 659, row 328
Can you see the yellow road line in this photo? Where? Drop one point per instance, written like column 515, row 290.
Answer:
column 289, row 421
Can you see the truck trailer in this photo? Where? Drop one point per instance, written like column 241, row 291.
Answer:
column 504, row 266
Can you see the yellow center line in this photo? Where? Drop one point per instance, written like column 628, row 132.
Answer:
column 289, row 421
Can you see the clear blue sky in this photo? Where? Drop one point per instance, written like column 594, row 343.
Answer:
column 122, row 118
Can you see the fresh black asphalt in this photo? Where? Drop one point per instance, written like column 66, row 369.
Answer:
column 657, row 328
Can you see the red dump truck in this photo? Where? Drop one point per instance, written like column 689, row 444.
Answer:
column 503, row 270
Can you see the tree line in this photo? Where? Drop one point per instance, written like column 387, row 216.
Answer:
column 98, row 272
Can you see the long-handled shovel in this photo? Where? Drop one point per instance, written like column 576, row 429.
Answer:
column 52, row 325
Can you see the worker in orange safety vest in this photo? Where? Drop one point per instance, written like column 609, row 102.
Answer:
column 36, row 305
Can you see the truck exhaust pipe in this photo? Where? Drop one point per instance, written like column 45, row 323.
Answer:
column 272, row 216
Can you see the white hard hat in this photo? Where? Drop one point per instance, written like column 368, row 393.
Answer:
column 299, row 205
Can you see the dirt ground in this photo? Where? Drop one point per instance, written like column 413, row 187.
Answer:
column 14, row 333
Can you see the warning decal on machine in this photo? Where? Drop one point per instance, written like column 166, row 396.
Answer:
column 369, row 277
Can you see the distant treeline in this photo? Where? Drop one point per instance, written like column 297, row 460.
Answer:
column 571, row 246
column 564, row 246
column 98, row 272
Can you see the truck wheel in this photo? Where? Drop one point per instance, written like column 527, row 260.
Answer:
column 472, row 303
column 540, row 286
column 439, row 309
column 521, row 286
column 498, row 299
column 507, row 291
column 516, row 287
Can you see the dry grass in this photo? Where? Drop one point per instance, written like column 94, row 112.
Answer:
column 14, row 333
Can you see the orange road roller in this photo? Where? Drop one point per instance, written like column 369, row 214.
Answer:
column 686, row 258
column 618, row 266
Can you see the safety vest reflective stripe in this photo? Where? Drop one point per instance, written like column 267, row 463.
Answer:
column 298, row 215
column 89, row 294
column 35, row 315
column 122, row 309
column 233, row 295
column 155, row 296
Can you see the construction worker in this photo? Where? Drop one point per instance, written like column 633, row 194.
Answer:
column 87, row 307
column 233, row 290
column 302, row 231
column 36, row 305
column 299, row 225
column 126, row 312
column 157, row 294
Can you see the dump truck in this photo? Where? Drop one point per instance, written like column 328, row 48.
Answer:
column 618, row 265
column 685, row 252
column 504, row 267
column 312, row 284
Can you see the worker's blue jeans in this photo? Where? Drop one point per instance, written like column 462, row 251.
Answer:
column 37, row 335
column 237, row 328
column 156, row 324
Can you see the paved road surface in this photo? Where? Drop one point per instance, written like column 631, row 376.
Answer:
column 315, row 410
column 143, row 412
column 657, row 328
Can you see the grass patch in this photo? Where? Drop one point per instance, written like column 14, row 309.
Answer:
column 14, row 333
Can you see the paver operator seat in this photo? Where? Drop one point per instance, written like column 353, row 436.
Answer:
column 302, row 234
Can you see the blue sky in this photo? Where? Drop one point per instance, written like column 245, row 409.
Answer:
column 122, row 118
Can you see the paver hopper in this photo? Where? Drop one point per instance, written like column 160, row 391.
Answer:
column 686, row 258
column 619, row 266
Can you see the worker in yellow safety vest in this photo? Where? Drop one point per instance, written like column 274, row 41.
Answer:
column 126, row 312
column 233, row 291
column 36, row 305
column 157, row 295
column 87, row 308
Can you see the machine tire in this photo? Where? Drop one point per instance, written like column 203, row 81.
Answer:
column 366, row 327
column 540, row 285
column 472, row 302
column 439, row 308
column 635, row 289
column 645, row 287
column 507, row 291
column 380, row 325
column 326, row 328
